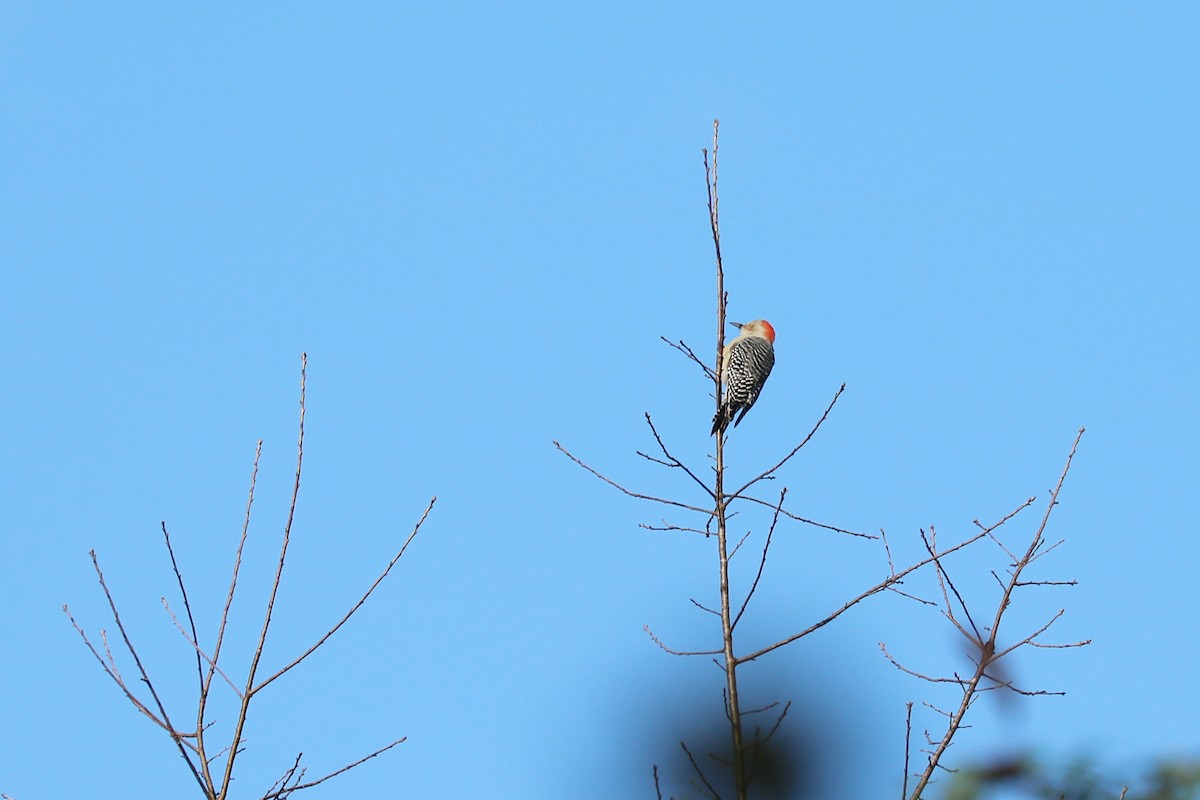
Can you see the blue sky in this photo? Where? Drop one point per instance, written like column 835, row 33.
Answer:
column 477, row 220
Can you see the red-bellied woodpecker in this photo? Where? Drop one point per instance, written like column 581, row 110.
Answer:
column 745, row 364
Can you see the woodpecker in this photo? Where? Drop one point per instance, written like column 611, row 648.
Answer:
column 745, row 364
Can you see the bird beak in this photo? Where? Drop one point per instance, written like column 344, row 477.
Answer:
column 736, row 324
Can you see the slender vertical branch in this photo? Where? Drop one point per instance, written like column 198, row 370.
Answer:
column 907, row 746
column 240, row 725
column 733, row 709
column 202, row 706
column 187, row 606
column 714, row 212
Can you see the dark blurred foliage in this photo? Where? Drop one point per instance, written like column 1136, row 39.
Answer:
column 1082, row 779
column 782, row 767
column 797, row 756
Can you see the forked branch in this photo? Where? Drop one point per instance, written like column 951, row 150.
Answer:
column 987, row 652
column 191, row 744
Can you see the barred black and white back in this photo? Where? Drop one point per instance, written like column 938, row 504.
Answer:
column 746, row 364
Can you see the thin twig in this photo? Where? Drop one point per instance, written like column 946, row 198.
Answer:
column 667, row 527
column 774, row 728
column 673, row 652
column 166, row 724
column 110, row 669
column 200, row 654
column 943, row 578
column 335, row 773
column 796, row 449
column 807, row 521
column 357, row 605
column 629, row 492
column 674, row 462
column 760, row 741
column 703, row 607
column 762, row 562
column 712, row 792
column 687, row 351
column 877, row 588
column 927, row 678
column 287, row 776
column 187, row 607
column 738, row 546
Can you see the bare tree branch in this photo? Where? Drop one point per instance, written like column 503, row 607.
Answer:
column 988, row 654
column 712, row 793
column 162, row 719
column 673, row 463
column 629, row 492
column 729, row 665
column 807, row 521
column 762, row 562
column 335, row 773
column 796, row 449
column 293, row 779
column 240, row 724
column 879, row 587
column 200, row 654
column 202, row 705
column 187, row 607
column 674, row 652
column 943, row 578
column 687, row 351
column 416, row 529
column 907, row 744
